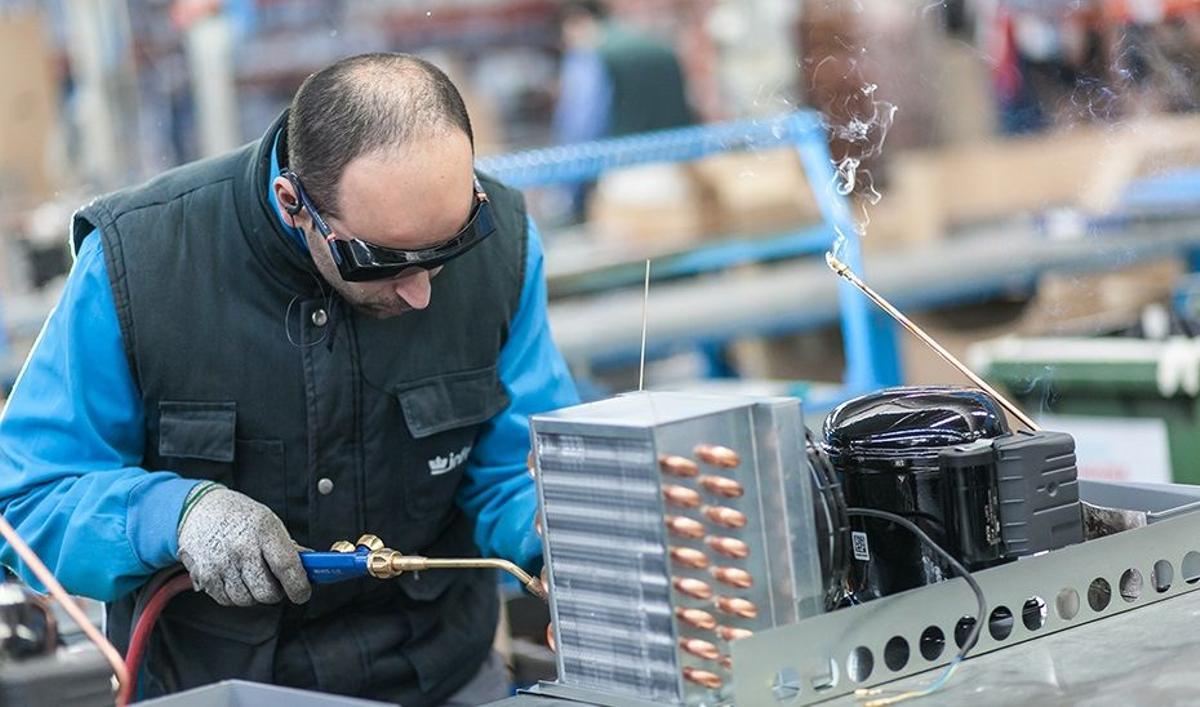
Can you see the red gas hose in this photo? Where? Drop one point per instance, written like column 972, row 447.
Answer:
column 145, row 626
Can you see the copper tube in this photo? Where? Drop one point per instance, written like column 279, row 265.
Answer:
column 721, row 486
column 716, row 455
column 844, row 271
column 729, row 547
column 703, row 677
column 681, row 496
column 693, row 588
column 733, row 576
column 726, row 516
column 678, row 466
column 685, row 527
column 700, row 648
column 738, row 607
column 689, row 557
column 385, row 564
column 728, row 633
column 46, row 577
column 696, row 618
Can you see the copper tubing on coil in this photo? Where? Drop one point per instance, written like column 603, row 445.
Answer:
column 689, row 557
column 728, row 633
column 700, row 648
column 681, row 496
column 703, row 677
column 721, row 486
column 737, row 606
column 693, row 588
column 684, row 527
column 729, row 547
column 726, row 517
column 679, row 466
column 733, row 576
column 696, row 618
column 718, row 456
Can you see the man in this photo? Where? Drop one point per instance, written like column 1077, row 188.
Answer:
column 334, row 330
column 613, row 81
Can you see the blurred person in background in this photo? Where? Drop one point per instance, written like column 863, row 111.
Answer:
column 339, row 328
column 614, row 81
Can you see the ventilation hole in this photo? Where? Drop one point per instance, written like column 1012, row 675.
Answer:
column 1131, row 585
column 1099, row 594
column 1191, row 567
column 895, row 654
column 933, row 642
column 962, row 630
column 1000, row 623
column 1067, row 604
column 860, row 663
column 1033, row 614
column 1163, row 575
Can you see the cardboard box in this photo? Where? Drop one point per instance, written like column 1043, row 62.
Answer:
column 28, row 109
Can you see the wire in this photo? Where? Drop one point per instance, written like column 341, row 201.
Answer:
column 972, row 637
column 46, row 577
column 825, row 477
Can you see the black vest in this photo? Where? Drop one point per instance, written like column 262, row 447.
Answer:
column 336, row 421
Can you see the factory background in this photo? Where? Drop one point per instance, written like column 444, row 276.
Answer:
column 1021, row 177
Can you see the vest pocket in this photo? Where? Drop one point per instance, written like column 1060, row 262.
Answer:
column 198, row 440
column 444, row 416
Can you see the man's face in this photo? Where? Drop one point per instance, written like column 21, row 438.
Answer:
column 413, row 198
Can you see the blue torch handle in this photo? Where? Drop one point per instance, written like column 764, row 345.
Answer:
column 330, row 567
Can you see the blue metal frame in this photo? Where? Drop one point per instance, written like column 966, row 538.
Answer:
column 872, row 358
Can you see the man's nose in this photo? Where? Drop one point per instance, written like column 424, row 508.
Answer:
column 414, row 289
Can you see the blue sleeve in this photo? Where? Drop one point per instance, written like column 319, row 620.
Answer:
column 585, row 99
column 498, row 492
column 71, row 439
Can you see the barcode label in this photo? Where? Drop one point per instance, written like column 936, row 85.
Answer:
column 862, row 551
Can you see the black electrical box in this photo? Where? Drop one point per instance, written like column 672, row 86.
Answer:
column 1038, row 485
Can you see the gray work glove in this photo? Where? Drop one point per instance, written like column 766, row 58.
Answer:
column 237, row 550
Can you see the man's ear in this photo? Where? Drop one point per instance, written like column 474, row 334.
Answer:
column 287, row 198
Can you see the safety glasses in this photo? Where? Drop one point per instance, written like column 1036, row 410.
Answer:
column 359, row 261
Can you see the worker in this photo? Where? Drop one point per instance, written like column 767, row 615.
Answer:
column 613, row 81
column 338, row 328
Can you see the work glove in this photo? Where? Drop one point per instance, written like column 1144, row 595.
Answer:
column 237, row 550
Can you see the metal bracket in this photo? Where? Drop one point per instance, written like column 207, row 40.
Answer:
column 865, row 646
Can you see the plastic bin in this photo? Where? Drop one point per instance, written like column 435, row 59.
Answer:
column 1130, row 381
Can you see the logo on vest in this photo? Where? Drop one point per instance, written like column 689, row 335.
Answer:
column 444, row 465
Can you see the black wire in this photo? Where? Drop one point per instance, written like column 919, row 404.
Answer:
column 973, row 636
column 825, row 477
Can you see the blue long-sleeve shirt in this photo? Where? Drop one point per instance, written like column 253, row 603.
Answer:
column 72, row 435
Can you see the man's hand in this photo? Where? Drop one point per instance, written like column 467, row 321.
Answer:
column 238, row 551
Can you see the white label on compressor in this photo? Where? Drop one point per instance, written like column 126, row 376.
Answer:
column 862, row 551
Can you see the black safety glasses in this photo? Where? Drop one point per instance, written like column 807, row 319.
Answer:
column 359, row 261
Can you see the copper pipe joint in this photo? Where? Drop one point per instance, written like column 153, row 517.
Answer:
column 733, row 576
column 728, row 633
column 696, row 618
column 726, row 517
column 685, row 527
column 727, row 662
column 700, row 648
column 681, row 496
column 693, row 588
column 737, row 606
column 729, row 547
column 689, row 557
column 721, row 486
column 678, row 466
column 703, row 677
column 718, row 456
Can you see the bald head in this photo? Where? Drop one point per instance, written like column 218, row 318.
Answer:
column 363, row 105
